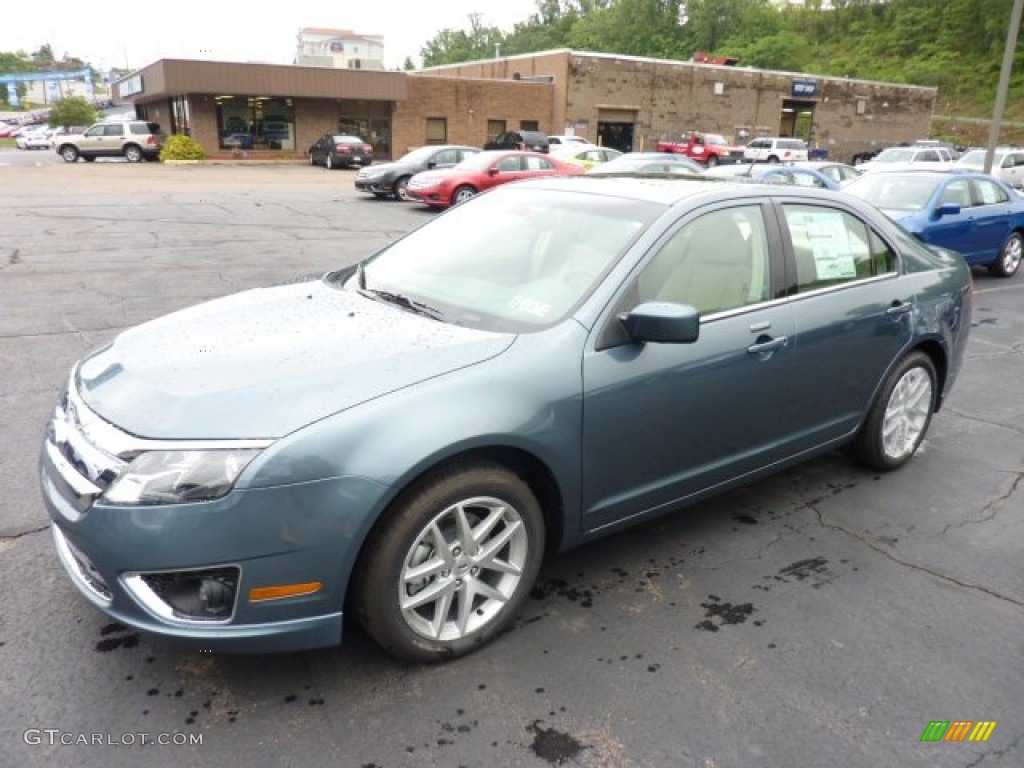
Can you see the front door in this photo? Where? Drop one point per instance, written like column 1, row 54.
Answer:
column 663, row 422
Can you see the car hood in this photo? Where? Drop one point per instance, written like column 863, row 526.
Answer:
column 263, row 363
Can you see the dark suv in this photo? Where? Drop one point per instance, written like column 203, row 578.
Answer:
column 135, row 140
column 535, row 141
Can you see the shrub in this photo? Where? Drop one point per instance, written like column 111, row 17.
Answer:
column 181, row 147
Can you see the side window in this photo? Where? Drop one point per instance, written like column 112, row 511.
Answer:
column 831, row 247
column 929, row 156
column 96, row 130
column 445, row 157
column 714, row 263
column 508, row 164
column 806, row 179
column 958, row 192
column 989, row 193
column 114, row 130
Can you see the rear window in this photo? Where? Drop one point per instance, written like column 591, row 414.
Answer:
column 141, row 129
column 791, row 144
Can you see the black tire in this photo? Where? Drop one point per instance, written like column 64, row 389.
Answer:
column 712, row 161
column 69, row 152
column 329, row 162
column 404, row 558
column 462, row 194
column 898, row 419
column 1009, row 257
column 773, row 160
column 133, row 153
column 402, row 189
column 311, row 160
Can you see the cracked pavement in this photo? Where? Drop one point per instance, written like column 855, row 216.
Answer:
column 820, row 617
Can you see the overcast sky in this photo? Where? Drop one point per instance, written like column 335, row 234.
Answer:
column 134, row 35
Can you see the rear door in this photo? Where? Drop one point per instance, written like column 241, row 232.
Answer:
column 852, row 315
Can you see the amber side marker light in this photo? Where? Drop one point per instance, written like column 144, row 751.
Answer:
column 259, row 594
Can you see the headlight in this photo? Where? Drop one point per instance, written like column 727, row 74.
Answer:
column 175, row 477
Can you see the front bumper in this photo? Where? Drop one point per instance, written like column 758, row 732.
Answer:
column 375, row 186
column 302, row 533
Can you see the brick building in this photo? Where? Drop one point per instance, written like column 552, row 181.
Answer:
column 621, row 101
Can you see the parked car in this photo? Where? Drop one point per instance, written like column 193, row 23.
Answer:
column 648, row 164
column 973, row 213
column 588, row 157
column 776, row 149
column 840, row 173
column 37, row 139
column 134, row 140
column 709, row 149
column 1007, row 164
column 560, row 142
column 774, row 174
column 401, row 441
column 901, row 158
column 527, row 141
column 478, row 173
column 334, row 150
column 391, row 179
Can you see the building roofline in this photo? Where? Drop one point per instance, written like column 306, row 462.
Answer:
column 677, row 62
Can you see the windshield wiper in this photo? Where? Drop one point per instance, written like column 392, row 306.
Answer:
column 403, row 301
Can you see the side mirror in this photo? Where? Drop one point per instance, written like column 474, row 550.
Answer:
column 492, row 171
column 947, row 209
column 662, row 322
column 431, row 165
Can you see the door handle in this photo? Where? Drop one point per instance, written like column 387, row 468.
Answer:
column 899, row 308
column 768, row 344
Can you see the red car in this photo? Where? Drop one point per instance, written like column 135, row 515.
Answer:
column 710, row 149
column 442, row 187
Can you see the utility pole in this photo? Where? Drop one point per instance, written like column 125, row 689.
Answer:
column 1004, row 83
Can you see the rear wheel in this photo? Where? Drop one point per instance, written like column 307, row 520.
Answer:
column 329, row 162
column 1009, row 257
column 133, row 154
column 452, row 564
column 402, row 189
column 69, row 153
column 899, row 418
column 462, row 194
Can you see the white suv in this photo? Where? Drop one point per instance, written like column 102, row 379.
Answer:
column 776, row 149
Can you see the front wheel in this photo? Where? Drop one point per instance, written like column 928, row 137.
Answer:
column 329, row 162
column 1009, row 257
column 452, row 564
column 899, row 418
column 462, row 194
column 311, row 160
column 712, row 161
column 773, row 160
column 402, row 189
column 69, row 153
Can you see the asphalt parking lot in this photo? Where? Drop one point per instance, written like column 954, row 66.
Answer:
column 823, row 617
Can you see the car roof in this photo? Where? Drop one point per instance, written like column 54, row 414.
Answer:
column 671, row 190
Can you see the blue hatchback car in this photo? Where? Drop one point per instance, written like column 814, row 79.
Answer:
column 400, row 442
column 973, row 213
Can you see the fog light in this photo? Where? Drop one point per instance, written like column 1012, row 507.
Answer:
column 195, row 595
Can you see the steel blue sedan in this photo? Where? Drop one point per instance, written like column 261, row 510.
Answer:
column 773, row 173
column 973, row 213
column 401, row 442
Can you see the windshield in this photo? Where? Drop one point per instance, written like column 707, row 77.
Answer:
column 417, row 155
column 512, row 260
column 976, row 159
column 893, row 192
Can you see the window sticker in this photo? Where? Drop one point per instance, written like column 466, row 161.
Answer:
column 829, row 240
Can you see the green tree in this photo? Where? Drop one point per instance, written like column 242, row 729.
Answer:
column 73, row 110
column 450, row 46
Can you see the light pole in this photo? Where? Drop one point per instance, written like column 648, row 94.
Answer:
column 1004, row 83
